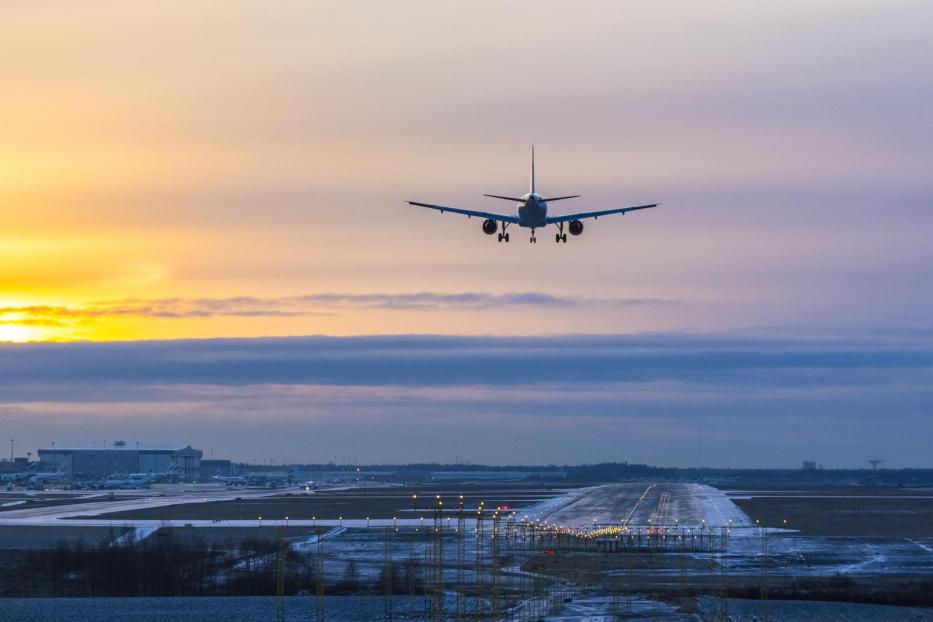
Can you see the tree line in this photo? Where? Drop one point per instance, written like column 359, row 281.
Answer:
column 166, row 565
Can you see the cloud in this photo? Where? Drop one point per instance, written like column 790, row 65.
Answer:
column 490, row 361
column 761, row 400
column 297, row 306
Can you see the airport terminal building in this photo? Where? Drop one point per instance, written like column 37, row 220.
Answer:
column 118, row 457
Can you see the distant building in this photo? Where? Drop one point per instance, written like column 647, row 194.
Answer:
column 84, row 461
column 16, row 465
column 808, row 465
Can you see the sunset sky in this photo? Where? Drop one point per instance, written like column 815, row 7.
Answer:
column 174, row 170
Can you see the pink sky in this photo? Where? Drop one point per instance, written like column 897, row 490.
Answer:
column 173, row 151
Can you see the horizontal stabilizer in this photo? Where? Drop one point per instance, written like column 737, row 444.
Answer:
column 496, row 196
column 570, row 196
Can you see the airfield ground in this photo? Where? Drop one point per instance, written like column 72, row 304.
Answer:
column 38, row 537
column 846, row 543
column 354, row 503
column 862, row 512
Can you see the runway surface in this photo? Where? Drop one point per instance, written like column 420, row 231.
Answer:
column 645, row 504
column 629, row 504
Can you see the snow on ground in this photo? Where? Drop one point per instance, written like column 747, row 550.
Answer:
column 135, row 535
column 605, row 609
column 638, row 505
column 718, row 508
column 309, row 543
column 543, row 509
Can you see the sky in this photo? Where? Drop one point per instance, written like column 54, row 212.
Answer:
column 177, row 171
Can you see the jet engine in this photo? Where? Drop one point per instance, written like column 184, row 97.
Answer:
column 576, row 227
column 490, row 226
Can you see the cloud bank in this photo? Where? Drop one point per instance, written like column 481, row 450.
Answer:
column 297, row 306
column 766, row 400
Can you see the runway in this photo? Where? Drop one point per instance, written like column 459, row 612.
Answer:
column 645, row 505
column 629, row 504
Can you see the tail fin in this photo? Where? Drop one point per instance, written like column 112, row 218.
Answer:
column 532, row 168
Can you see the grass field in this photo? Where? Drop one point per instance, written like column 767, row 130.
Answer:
column 40, row 537
column 865, row 514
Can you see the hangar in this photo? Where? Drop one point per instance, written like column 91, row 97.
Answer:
column 118, row 457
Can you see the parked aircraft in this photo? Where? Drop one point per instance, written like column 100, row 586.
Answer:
column 172, row 474
column 39, row 480
column 232, row 480
column 128, row 480
column 270, row 479
column 15, row 478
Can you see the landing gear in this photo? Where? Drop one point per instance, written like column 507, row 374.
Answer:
column 504, row 236
column 561, row 236
column 532, row 239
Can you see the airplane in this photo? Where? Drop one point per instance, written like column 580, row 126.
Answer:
column 271, row 479
column 171, row 475
column 128, row 480
column 37, row 480
column 532, row 213
column 232, row 480
column 13, row 478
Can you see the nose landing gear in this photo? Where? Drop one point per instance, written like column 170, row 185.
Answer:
column 532, row 239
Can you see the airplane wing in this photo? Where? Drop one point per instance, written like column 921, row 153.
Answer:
column 582, row 215
column 466, row 212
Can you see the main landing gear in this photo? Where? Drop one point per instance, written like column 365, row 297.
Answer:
column 560, row 237
column 504, row 236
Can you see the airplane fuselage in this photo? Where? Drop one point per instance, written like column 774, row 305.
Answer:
column 532, row 213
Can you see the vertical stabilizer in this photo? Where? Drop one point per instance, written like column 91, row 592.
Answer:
column 532, row 168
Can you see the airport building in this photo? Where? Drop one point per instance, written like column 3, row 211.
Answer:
column 118, row 457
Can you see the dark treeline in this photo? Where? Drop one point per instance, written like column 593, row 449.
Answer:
column 625, row 471
column 164, row 565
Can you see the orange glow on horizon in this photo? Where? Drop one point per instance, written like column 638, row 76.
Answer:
column 19, row 333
